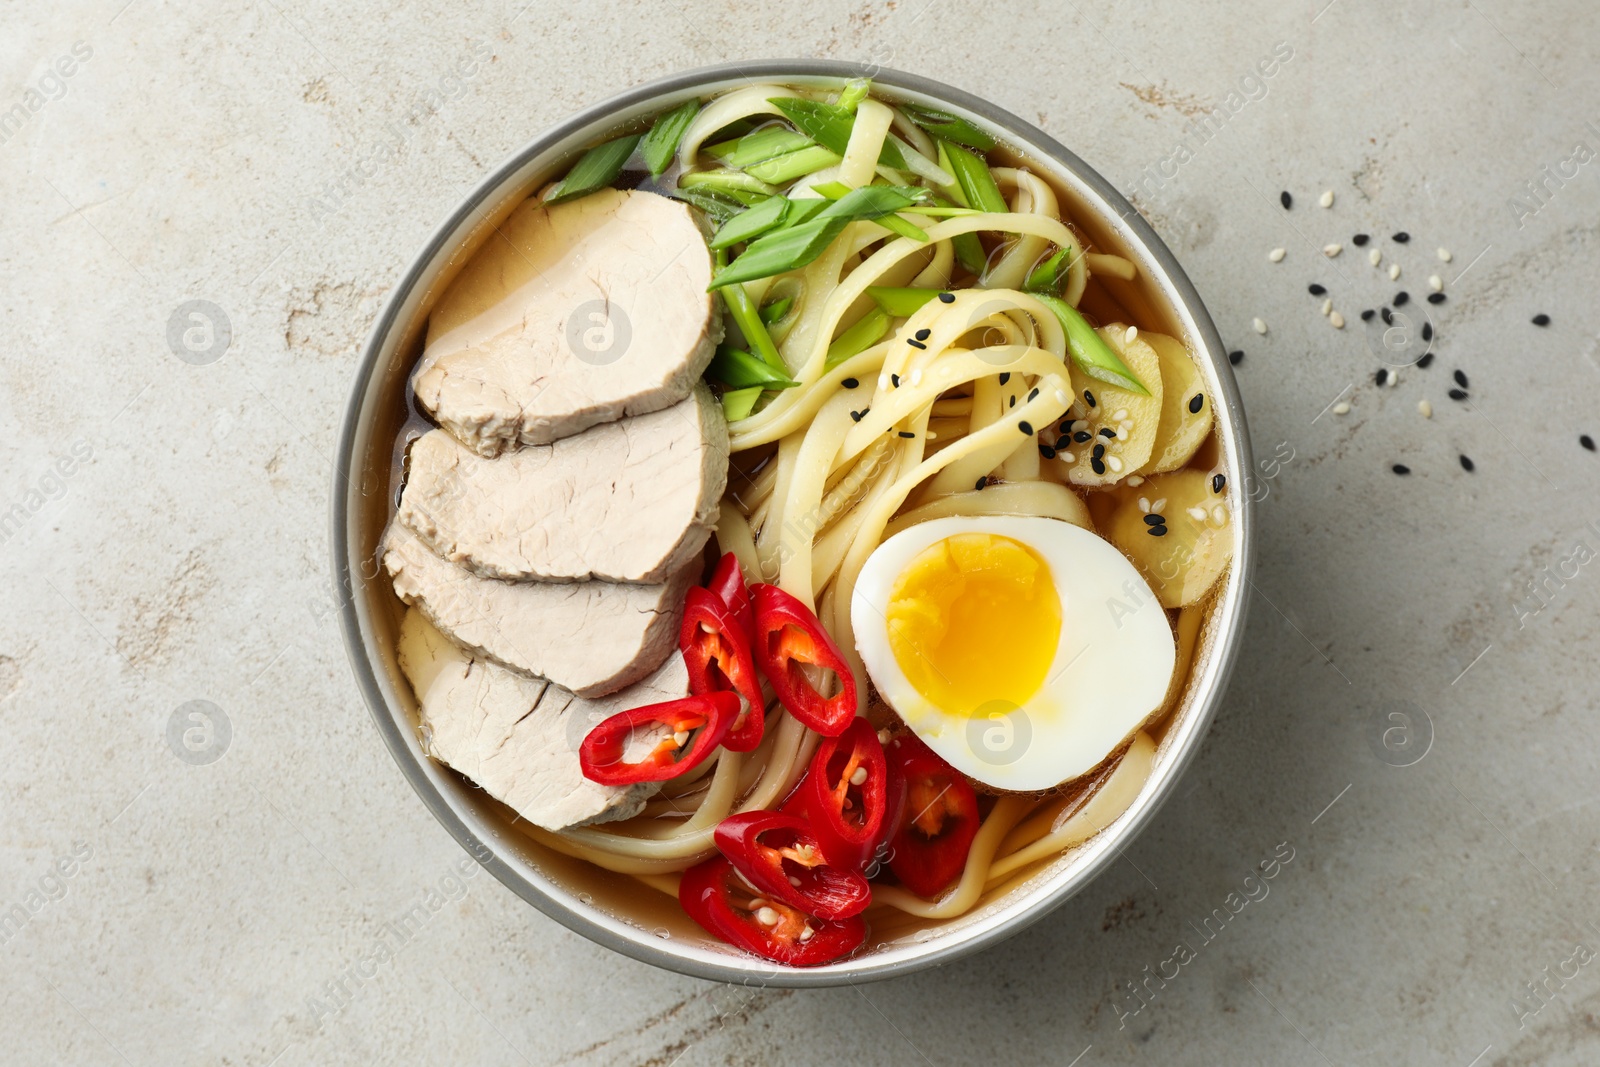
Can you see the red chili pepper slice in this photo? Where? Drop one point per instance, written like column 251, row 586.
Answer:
column 716, row 897
column 694, row 727
column 727, row 581
column 781, row 857
column 717, row 654
column 844, row 795
column 789, row 640
column 938, row 819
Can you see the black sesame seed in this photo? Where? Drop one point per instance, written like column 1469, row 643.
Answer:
column 1217, row 482
column 1032, row 393
column 1099, row 451
column 914, row 343
column 1400, row 298
column 1427, row 331
column 1082, row 436
column 1400, row 468
column 1382, row 375
column 895, row 378
column 1541, row 319
column 1046, row 451
column 1360, row 239
column 1458, row 394
column 1435, row 298
column 981, row 482
column 1196, row 402
column 1005, row 376
column 1156, row 531
column 1586, row 441
column 922, row 335
column 1235, row 356
column 1108, row 433
column 1026, row 427
column 1097, row 465
column 849, row 383
column 1286, row 200
column 1461, row 379
column 907, row 434
column 1013, row 402
column 1426, row 360
column 1467, row 465
column 1388, row 317
column 856, row 416
column 947, row 298
column 1088, row 398
column 1155, row 520
column 1316, row 290
column 1402, row 237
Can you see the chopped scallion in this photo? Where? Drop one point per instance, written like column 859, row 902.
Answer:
column 739, row 403
column 724, row 181
column 786, row 168
column 854, row 92
column 1089, row 350
column 774, row 310
column 948, row 127
column 901, row 303
column 748, row 319
column 758, row 147
column 1049, row 275
column 858, row 338
column 738, row 369
column 597, row 169
column 750, row 224
column 829, row 125
column 661, row 143
column 977, row 184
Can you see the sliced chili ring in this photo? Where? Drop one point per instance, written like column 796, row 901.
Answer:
column 845, row 795
column 780, row 856
column 717, row 897
column 727, row 582
column 694, row 727
column 790, row 643
column 717, row 654
column 938, row 818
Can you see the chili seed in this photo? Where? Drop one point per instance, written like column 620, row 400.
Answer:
column 1541, row 319
column 1467, row 465
column 1196, row 402
column 1400, row 468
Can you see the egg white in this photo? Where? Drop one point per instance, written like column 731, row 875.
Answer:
column 1112, row 663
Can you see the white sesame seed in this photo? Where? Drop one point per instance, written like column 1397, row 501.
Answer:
column 1394, row 378
column 916, row 376
column 1131, row 336
column 1120, row 416
column 1277, row 254
column 883, row 380
column 1327, row 305
column 1332, row 250
column 1394, row 271
column 1425, row 409
column 858, row 777
column 1219, row 515
column 767, row 917
column 1444, row 255
column 1261, row 327
column 1079, row 425
column 1336, row 320
column 1136, row 481
column 1158, row 505
column 1197, row 514
column 1375, row 256
column 1115, row 464
column 1326, row 199
column 1436, row 283
column 1341, row 408
column 932, row 436
column 1061, row 397
column 1144, row 503
column 1067, row 457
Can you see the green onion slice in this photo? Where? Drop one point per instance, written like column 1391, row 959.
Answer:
column 661, row 143
column 829, row 125
column 901, row 303
column 948, row 127
column 858, row 338
column 739, row 403
column 597, row 169
column 1089, row 350
column 977, row 184
column 738, row 369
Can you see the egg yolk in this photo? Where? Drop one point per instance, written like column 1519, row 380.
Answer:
column 974, row 619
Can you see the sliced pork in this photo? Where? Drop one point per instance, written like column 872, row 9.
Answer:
column 630, row 501
column 570, row 316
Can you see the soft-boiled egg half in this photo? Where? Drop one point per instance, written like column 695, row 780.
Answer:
column 1023, row 650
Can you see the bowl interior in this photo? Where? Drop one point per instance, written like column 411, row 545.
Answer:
column 617, row 910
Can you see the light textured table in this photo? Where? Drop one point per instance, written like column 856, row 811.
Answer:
column 164, row 540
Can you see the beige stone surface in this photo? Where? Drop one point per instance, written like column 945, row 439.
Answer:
column 164, row 540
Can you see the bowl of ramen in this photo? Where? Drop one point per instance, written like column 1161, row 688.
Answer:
column 793, row 527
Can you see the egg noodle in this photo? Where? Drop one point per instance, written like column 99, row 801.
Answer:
column 868, row 445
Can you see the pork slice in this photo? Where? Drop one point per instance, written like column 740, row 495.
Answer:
column 590, row 637
column 570, row 316
column 517, row 737
column 630, row 501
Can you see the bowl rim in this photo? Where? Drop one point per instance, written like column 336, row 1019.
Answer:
column 522, row 877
